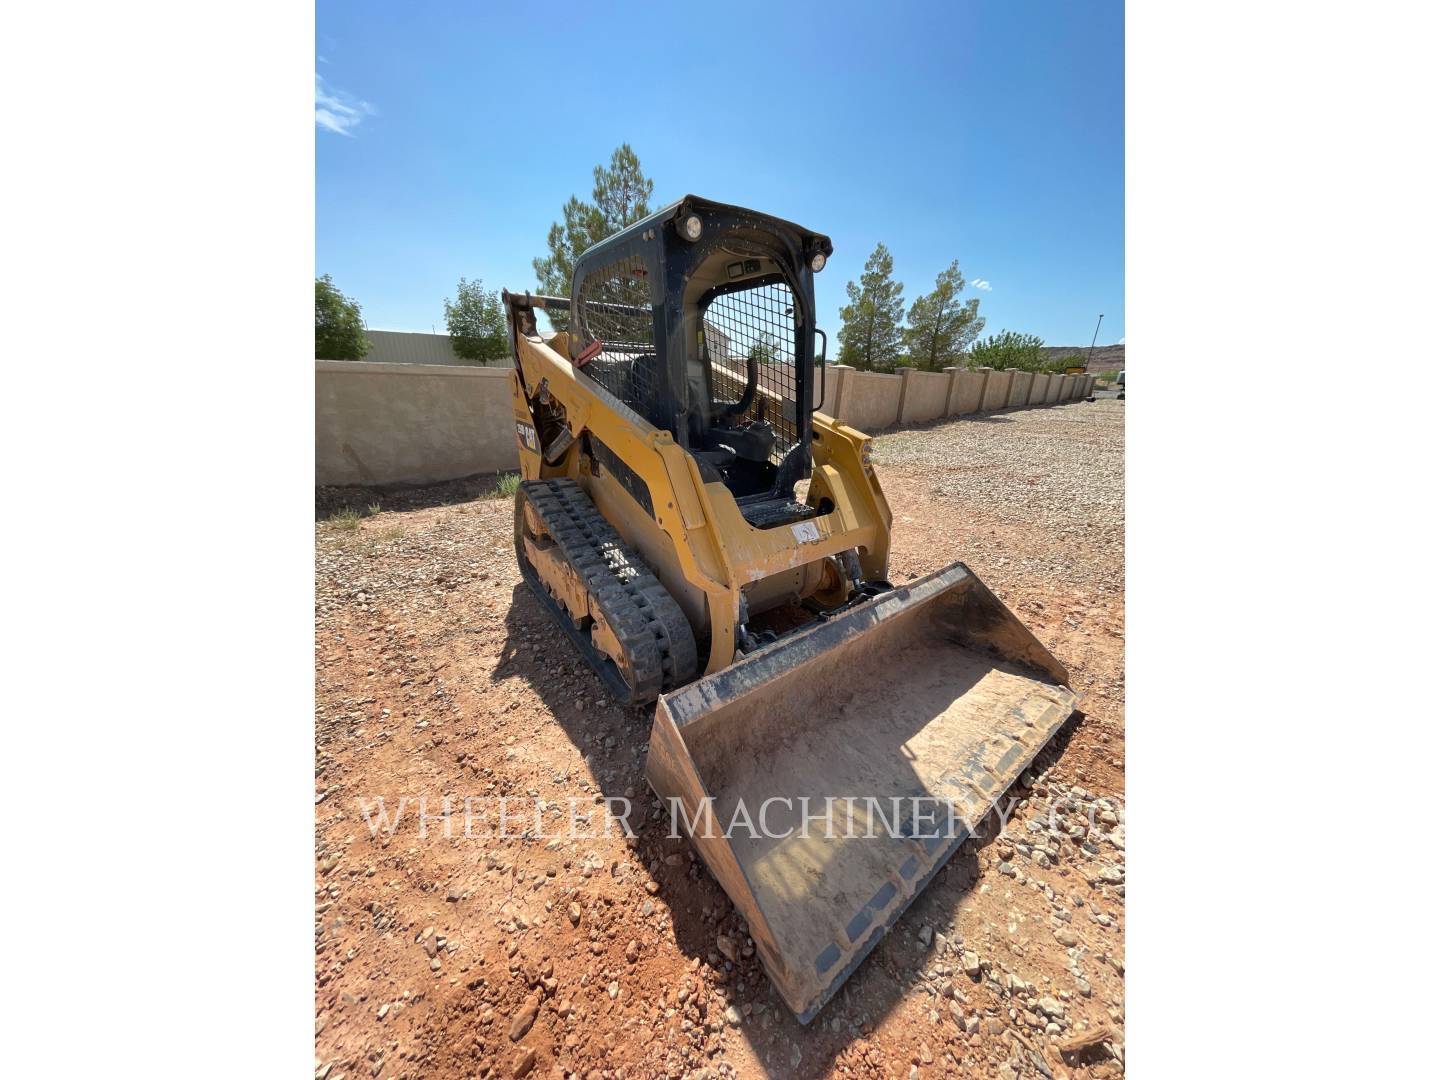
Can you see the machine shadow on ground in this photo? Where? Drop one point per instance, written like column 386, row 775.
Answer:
column 614, row 741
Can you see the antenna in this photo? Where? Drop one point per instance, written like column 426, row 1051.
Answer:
column 1092, row 342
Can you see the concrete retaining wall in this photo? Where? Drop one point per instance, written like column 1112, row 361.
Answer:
column 1019, row 389
column 826, row 396
column 421, row 423
column 923, row 395
column 1038, row 388
column 835, row 377
column 870, row 400
column 967, row 389
column 997, row 390
column 410, row 423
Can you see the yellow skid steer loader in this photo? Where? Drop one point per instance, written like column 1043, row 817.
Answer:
column 711, row 541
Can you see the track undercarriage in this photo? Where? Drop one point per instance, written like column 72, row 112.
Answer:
column 614, row 609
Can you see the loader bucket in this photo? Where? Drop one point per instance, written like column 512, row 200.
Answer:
column 826, row 778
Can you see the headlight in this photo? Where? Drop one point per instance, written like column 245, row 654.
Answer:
column 865, row 453
column 691, row 227
column 817, row 261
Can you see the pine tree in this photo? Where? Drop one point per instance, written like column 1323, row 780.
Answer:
column 621, row 197
column 942, row 326
column 621, row 192
column 870, row 323
column 583, row 227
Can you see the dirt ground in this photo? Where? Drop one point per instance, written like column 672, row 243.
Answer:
column 438, row 675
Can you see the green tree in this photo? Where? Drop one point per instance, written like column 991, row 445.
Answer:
column 476, row 322
column 583, row 226
column 339, row 329
column 622, row 192
column 1008, row 349
column 942, row 326
column 621, row 197
column 765, row 349
column 870, row 323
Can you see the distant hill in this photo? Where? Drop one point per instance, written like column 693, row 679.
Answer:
column 1105, row 358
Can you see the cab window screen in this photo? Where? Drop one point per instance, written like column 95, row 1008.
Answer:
column 759, row 323
column 615, row 310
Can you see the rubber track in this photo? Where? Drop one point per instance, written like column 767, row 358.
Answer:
column 647, row 621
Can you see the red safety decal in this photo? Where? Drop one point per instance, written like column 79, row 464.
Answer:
column 594, row 349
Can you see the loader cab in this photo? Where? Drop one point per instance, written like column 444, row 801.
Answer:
column 701, row 319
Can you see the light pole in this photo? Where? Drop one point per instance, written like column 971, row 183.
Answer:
column 1092, row 343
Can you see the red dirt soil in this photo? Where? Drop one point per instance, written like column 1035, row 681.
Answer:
column 438, row 674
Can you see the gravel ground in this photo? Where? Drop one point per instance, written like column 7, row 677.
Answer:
column 1057, row 468
column 1060, row 471
column 437, row 673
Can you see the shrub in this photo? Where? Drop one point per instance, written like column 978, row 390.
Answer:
column 1008, row 349
column 339, row 329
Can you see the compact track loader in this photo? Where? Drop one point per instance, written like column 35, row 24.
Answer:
column 712, row 542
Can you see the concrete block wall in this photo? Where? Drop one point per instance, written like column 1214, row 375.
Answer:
column 413, row 423
column 967, row 390
column 410, row 423
column 826, row 395
column 1039, row 386
column 1019, row 388
column 923, row 395
column 997, row 390
column 872, row 401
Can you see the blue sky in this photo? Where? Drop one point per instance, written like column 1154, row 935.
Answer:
column 448, row 135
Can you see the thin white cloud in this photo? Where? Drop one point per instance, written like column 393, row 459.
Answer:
column 1120, row 342
column 337, row 111
column 982, row 285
